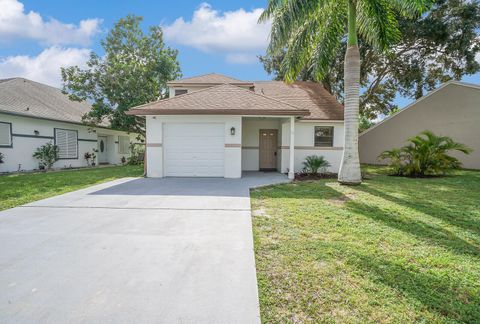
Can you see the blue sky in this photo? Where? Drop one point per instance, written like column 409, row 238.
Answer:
column 36, row 37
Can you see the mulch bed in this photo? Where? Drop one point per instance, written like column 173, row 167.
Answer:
column 318, row 176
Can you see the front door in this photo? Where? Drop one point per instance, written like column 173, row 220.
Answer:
column 102, row 149
column 268, row 149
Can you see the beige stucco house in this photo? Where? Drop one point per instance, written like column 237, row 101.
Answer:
column 451, row 110
column 217, row 126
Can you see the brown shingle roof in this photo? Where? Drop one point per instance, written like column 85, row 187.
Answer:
column 212, row 79
column 307, row 95
column 28, row 98
column 225, row 99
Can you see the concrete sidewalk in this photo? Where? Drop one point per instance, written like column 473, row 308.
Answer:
column 133, row 250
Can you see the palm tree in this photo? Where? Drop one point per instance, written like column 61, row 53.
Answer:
column 311, row 31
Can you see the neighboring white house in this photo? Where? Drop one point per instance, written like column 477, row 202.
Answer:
column 33, row 114
column 217, row 126
column 451, row 110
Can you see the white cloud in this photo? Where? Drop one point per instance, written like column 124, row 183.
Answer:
column 16, row 23
column 241, row 58
column 45, row 67
column 235, row 33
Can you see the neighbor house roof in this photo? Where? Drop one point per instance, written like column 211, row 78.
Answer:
column 208, row 79
column 306, row 95
column 224, row 99
column 24, row 97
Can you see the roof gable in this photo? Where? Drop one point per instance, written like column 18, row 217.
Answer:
column 225, row 99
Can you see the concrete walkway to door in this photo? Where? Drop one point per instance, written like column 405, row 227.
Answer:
column 175, row 250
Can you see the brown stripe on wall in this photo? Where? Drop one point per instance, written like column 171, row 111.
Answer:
column 320, row 148
column 250, row 147
column 154, row 144
column 233, row 145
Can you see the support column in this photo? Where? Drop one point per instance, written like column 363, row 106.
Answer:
column 291, row 168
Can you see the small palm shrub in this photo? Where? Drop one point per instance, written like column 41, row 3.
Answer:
column 314, row 163
column 47, row 155
column 2, row 157
column 425, row 155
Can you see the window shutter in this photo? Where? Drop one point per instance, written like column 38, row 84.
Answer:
column 67, row 143
column 5, row 134
column 123, row 144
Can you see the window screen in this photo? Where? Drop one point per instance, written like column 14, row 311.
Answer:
column 123, row 144
column 180, row 92
column 5, row 134
column 67, row 142
column 324, row 136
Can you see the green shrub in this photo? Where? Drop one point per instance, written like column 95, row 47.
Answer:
column 425, row 155
column 314, row 163
column 137, row 154
column 2, row 157
column 47, row 155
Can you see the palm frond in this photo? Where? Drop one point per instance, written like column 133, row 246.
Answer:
column 377, row 23
column 315, row 41
column 412, row 8
column 329, row 37
column 287, row 17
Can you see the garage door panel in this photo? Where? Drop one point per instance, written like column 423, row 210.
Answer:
column 194, row 149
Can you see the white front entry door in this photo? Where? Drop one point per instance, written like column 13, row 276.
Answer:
column 194, row 149
column 102, row 149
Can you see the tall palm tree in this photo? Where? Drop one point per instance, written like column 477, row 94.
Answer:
column 311, row 31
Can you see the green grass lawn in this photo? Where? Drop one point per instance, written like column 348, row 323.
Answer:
column 19, row 189
column 391, row 250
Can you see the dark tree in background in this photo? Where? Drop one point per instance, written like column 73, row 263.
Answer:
column 439, row 46
column 133, row 70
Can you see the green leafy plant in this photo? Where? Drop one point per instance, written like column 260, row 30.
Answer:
column 94, row 156
column 47, row 155
column 87, row 156
column 137, row 154
column 425, row 155
column 2, row 157
column 315, row 163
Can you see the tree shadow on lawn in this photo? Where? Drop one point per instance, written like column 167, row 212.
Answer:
column 434, row 235
column 453, row 207
column 446, row 296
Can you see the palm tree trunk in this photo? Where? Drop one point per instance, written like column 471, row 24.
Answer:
column 350, row 167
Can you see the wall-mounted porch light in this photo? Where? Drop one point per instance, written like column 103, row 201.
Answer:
column 232, row 131
column 36, row 132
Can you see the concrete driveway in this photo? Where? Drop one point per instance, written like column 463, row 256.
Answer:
column 133, row 250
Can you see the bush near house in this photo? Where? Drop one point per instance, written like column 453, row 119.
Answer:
column 2, row 157
column 425, row 155
column 137, row 153
column 314, row 163
column 47, row 155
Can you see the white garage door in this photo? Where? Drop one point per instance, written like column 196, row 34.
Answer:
column 194, row 150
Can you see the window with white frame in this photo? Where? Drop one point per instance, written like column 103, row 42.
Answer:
column 5, row 134
column 67, row 142
column 324, row 136
column 123, row 144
